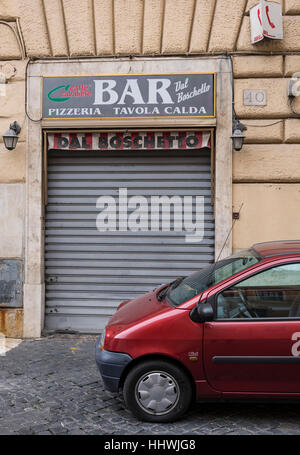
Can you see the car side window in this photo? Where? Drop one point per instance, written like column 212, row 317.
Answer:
column 274, row 293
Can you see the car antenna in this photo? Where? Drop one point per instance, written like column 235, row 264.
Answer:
column 230, row 231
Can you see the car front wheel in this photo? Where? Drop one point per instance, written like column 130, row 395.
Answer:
column 157, row 391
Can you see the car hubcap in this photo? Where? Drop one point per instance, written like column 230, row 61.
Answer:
column 157, row 393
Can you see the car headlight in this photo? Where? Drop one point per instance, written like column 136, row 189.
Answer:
column 102, row 340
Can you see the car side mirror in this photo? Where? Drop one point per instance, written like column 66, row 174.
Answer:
column 203, row 312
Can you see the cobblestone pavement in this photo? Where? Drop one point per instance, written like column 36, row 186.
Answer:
column 52, row 386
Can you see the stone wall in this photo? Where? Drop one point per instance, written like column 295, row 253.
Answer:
column 12, row 179
column 65, row 28
column 271, row 155
column 61, row 28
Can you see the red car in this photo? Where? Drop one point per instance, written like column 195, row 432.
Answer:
column 228, row 331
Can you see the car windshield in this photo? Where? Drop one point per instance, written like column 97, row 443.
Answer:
column 188, row 287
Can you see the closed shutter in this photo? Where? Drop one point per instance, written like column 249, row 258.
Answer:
column 88, row 273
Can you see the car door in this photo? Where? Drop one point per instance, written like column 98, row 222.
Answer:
column 253, row 343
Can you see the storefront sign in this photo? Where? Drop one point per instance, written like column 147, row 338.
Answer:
column 266, row 21
column 130, row 141
column 129, row 96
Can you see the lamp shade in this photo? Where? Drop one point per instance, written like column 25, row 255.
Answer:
column 238, row 136
column 10, row 138
column 237, row 140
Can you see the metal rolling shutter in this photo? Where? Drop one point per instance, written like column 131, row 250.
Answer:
column 88, row 273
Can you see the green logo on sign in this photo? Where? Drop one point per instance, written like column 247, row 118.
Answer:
column 63, row 94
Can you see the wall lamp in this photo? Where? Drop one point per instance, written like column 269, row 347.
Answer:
column 237, row 135
column 11, row 137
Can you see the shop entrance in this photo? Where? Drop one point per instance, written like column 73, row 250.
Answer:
column 108, row 234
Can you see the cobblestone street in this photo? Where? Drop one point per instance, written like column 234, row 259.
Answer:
column 52, row 386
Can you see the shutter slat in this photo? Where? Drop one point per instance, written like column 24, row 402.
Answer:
column 89, row 273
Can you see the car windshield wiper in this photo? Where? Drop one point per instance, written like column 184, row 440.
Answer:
column 172, row 285
column 176, row 282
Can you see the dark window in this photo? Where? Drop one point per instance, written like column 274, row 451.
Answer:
column 192, row 285
column 274, row 293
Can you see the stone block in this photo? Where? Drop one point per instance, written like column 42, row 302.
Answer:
column 267, row 163
column 12, row 201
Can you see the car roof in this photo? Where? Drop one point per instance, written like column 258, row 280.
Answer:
column 277, row 248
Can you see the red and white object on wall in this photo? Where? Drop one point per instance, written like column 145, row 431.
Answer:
column 266, row 21
column 175, row 140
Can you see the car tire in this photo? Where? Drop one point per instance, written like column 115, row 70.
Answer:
column 157, row 391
